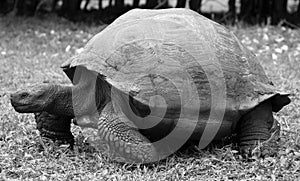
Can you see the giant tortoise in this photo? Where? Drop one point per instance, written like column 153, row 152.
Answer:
column 154, row 80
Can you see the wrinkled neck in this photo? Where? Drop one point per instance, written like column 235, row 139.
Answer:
column 61, row 103
column 90, row 97
column 102, row 93
column 80, row 99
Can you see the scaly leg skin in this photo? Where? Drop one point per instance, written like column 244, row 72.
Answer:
column 257, row 131
column 124, row 142
column 56, row 128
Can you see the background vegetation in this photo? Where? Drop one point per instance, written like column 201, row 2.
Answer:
column 225, row 11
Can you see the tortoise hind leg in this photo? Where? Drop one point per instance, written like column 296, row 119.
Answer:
column 257, row 126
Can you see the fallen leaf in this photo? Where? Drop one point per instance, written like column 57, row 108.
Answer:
column 68, row 48
column 279, row 39
column 79, row 50
column 284, row 47
column 278, row 50
column 274, row 56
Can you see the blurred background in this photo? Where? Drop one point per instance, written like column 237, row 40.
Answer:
column 274, row 12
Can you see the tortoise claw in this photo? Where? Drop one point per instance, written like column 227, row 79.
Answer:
column 260, row 151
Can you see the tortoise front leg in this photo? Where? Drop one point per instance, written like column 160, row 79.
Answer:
column 257, row 126
column 57, row 128
column 124, row 141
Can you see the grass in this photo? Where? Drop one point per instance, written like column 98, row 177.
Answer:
column 31, row 51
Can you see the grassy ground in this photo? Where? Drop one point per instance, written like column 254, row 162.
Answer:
column 31, row 51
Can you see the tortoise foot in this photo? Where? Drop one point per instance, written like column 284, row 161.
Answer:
column 56, row 128
column 258, row 132
column 265, row 148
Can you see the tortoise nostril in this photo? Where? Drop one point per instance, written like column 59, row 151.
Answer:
column 12, row 96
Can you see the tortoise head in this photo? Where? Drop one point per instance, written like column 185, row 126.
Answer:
column 33, row 99
column 85, row 97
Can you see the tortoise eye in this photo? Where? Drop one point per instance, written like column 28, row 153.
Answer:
column 24, row 95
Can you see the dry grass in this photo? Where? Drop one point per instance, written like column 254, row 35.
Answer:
column 31, row 51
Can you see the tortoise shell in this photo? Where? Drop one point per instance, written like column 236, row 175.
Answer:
column 180, row 64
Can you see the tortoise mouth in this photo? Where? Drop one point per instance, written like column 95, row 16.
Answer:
column 23, row 108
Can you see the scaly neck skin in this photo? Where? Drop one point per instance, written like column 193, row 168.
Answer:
column 80, row 99
column 61, row 101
